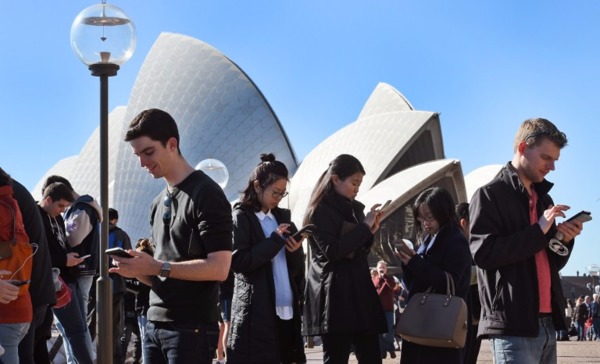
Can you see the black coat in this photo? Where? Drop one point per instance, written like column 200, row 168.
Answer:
column 340, row 296
column 449, row 253
column 253, row 336
column 504, row 244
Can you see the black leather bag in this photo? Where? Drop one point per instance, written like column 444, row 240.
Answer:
column 433, row 319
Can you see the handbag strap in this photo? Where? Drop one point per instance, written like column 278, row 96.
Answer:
column 13, row 239
column 450, row 290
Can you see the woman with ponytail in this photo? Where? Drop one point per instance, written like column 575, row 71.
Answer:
column 269, row 273
column 342, row 305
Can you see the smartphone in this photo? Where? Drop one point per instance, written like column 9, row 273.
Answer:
column 86, row 256
column 400, row 246
column 118, row 252
column 19, row 283
column 306, row 231
column 386, row 204
column 582, row 216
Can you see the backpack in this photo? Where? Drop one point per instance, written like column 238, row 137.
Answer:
column 15, row 251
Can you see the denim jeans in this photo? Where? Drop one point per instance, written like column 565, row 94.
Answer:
column 596, row 326
column 580, row 330
column 142, row 321
column 72, row 325
column 85, row 284
column 516, row 349
column 180, row 343
column 386, row 341
column 10, row 336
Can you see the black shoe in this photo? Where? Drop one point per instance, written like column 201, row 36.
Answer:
column 392, row 354
column 383, row 355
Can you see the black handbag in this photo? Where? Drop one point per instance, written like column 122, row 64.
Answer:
column 433, row 319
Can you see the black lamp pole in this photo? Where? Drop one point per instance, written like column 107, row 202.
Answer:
column 104, row 332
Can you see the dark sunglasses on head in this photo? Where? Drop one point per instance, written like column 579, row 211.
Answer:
column 167, row 214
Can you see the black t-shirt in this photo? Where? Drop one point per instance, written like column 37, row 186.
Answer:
column 200, row 224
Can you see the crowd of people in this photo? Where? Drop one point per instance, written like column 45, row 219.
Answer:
column 234, row 284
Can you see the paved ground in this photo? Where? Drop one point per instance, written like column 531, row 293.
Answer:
column 580, row 352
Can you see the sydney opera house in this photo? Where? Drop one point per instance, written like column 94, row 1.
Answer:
column 223, row 115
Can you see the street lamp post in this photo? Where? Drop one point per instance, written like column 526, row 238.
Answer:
column 103, row 37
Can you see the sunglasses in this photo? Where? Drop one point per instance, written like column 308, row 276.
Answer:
column 167, row 202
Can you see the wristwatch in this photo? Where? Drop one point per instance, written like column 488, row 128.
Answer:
column 165, row 270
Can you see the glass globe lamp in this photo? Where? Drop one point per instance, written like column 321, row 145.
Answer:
column 216, row 170
column 103, row 33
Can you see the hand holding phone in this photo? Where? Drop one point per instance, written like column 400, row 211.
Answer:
column 19, row 283
column 118, row 252
column 385, row 205
column 400, row 246
column 306, row 231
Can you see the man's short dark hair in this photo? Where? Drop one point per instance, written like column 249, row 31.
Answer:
column 113, row 214
column 156, row 124
column 59, row 191
column 55, row 178
column 462, row 211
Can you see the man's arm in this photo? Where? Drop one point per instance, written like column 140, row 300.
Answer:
column 143, row 267
column 491, row 246
column 78, row 226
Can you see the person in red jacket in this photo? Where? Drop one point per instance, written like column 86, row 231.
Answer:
column 386, row 287
column 16, row 311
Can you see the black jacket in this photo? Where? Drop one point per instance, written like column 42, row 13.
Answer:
column 58, row 251
column 340, row 296
column 449, row 253
column 504, row 244
column 91, row 213
column 253, row 337
column 117, row 238
column 41, row 288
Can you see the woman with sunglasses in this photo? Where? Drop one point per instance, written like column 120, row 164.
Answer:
column 342, row 305
column 269, row 273
column 443, row 248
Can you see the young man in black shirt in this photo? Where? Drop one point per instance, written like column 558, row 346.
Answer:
column 192, row 230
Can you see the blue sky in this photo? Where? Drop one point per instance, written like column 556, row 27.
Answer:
column 485, row 66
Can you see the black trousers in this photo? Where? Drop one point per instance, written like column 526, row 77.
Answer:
column 336, row 348
column 291, row 345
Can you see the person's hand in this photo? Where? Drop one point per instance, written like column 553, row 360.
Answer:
column 292, row 245
column 283, row 230
column 8, row 291
column 569, row 229
column 403, row 256
column 73, row 259
column 140, row 265
column 373, row 218
column 547, row 219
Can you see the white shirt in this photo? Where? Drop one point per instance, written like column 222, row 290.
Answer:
column 283, row 289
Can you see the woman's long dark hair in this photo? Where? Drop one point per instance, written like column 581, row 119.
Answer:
column 266, row 173
column 440, row 204
column 343, row 166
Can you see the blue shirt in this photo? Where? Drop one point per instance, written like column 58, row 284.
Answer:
column 283, row 290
